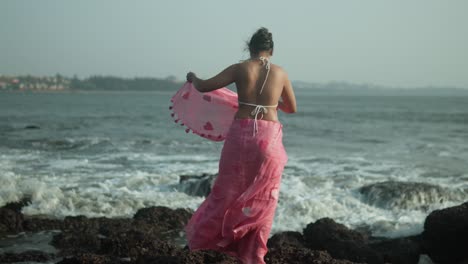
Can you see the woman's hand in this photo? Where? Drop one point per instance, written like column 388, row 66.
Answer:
column 191, row 76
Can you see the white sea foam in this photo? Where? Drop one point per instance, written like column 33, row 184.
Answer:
column 112, row 197
column 311, row 188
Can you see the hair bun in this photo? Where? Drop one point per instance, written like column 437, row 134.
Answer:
column 261, row 40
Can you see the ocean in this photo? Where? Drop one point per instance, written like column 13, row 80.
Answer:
column 372, row 161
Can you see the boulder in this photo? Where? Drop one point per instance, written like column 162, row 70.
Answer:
column 295, row 255
column 196, row 185
column 287, row 238
column 26, row 256
column 11, row 218
column 409, row 195
column 36, row 224
column 445, row 235
column 185, row 256
column 163, row 217
column 90, row 259
column 404, row 250
column 340, row 242
column 10, row 221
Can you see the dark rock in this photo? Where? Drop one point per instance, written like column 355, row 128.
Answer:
column 445, row 236
column 294, row 255
column 90, row 259
column 11, row 218
column 327, row 230
column 196, row 185
column 79, row 235
column 354, row 251
column 36, row 224
column 185, row 256
column 340, row 242
column 77, row 242
column 32, row 255
column 135, row 243
column 82, row 223
column 163, row 260
column 108, row 227
column 210, row 256
column 18, row 206
column 31, row 127
column 398, row 250
column 164, row 217
column 288, row 238
column 11, row 221
column 149, row 231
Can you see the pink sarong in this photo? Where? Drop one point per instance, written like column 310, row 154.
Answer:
column 237, row 216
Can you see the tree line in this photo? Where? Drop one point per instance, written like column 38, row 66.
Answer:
column 112, row 83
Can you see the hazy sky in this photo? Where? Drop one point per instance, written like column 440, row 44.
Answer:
column 406, row 43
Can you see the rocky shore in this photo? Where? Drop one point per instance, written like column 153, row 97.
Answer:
column 154, row 235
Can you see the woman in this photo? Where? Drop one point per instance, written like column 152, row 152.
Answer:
column 236, row 217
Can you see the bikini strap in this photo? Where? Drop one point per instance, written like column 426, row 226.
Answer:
column 265, row 62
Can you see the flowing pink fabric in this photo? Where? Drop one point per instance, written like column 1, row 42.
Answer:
column 237, row 215
column 207, row 114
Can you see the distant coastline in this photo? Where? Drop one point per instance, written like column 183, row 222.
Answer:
column 97, row 83
column 59, row 83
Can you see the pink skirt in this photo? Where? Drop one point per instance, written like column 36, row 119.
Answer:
column 237, row 215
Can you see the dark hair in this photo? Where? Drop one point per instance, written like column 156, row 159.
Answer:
column 261, row 40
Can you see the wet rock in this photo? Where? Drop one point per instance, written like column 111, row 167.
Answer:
column 150, row 230
column 210, row 256
column 77, row 242
column 82, row 223
column 18, row 205
column 288, row 238
column 11, row 218
column 87, row 235
column 408, row 195
column 32, row 255
column 36, row 224
column 163, row 217
column 135, row 243
column 90, row 259
column 295, row 255
column 107, row 226
column 327, row 230
column 399, row 250
column 184, row 256
column 196, row 185
column 10, row 221
column 340, row 242
column 445, row 235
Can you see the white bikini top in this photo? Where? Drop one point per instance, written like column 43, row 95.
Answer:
column 260, row 109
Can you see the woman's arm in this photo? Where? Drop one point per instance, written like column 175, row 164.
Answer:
column 288, row 102
column 222, row 79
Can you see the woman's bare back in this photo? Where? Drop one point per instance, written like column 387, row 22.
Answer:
column 251, row 76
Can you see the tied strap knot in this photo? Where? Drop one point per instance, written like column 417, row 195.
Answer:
column 258, row 110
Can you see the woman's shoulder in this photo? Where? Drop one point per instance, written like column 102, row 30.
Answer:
column 278, row 69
